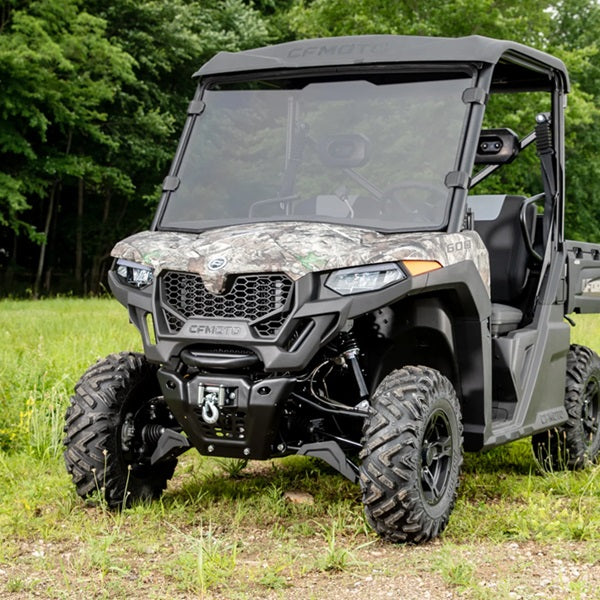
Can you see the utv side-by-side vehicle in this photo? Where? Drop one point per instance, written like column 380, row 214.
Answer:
column 358, row 256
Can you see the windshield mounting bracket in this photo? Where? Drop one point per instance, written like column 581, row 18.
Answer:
column 457, row 179
column 475, row 95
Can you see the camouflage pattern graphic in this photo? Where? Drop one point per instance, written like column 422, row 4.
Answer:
column 294, row 249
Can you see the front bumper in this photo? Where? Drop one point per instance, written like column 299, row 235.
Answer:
column 226, row 415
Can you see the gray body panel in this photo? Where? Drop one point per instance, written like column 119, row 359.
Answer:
column 530, row 365
column 529, row 374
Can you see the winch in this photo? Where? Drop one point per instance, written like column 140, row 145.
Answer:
column 212, row 399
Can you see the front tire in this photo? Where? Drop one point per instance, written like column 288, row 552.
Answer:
column 411, row 456
column 107, row 448
column 577, row 442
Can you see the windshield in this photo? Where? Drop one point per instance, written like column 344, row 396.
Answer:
column 350, row 152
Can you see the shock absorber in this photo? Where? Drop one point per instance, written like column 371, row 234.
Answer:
column 350, row 351
column 151, row 433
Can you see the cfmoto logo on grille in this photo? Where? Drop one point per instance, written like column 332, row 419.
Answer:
column 215, row 330
column 217, row 263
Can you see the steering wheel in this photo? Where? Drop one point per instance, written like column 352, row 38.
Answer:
column 284, row 201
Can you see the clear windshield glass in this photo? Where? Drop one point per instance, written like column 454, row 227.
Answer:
column 349, row 152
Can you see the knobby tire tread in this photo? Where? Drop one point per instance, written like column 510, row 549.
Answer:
column 92, row 455
column 564, row 446
column 390, row 455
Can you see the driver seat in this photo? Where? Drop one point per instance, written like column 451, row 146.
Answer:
column 497, row 219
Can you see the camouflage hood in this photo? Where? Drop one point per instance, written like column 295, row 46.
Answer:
column 294, row 249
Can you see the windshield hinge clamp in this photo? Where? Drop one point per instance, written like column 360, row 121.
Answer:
column 170, row 183
column 196, row 107
column 457, row 179
column 475, row 95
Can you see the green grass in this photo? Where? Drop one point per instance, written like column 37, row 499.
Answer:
column 44, row 348
column 224, row 529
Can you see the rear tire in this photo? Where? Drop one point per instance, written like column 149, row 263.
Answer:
column 577, row 442
column 106, row 452
column 412, row 454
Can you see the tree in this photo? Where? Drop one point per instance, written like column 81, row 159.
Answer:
column 524, row 21
column 59, row 70
column 574, row 36
column 91, row 113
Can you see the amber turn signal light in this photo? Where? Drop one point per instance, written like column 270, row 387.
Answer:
column 418, row 267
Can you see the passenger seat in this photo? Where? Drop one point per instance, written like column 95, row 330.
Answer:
column 497, row 219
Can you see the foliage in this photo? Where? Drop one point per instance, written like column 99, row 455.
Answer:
column 525, row 22
column 575, row 40
column 58, row 68
column 96, row 97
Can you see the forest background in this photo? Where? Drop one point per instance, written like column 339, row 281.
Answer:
column 94, row 95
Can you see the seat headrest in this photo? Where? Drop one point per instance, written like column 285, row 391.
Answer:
column 486, row 207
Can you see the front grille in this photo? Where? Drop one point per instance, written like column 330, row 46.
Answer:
column 173, row 322
column 250, row 298
column 269, row 327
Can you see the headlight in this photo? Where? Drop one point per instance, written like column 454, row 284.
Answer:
column 133, row 274
column 364, row 279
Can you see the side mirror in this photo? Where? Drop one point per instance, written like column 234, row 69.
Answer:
column 345, row 150
column 497, row 147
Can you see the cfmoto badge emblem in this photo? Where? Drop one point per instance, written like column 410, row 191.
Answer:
column 217, row 263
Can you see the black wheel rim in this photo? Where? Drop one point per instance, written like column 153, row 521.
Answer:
column 590, row 411
column 436, row 457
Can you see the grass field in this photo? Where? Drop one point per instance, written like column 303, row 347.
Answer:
column 221, row 531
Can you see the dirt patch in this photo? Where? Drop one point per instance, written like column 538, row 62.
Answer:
column 436, row 571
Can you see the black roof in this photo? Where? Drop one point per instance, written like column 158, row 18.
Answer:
column 370, row 49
